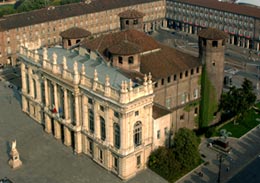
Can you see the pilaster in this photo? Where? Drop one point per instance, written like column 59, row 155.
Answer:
column 67, row 136
column 47, row 123
column 78, row 142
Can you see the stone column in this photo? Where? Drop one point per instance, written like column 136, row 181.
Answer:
column 123, row 135
column 67, row 136
column 57, row 126
column 232, row 39
column 24, row 87
column 108, row 126
column 38, row 89
column 85, row 113
column 257, row 46
column 165, row 23
column 96, row 120
column 66, row 106
column 47, row 123
column 190, row 29
column 77, row 109
column 78, row 142
column 247, row 43
column 23, row 74
column 46, row 92
column 31, row 83
column 57, row 129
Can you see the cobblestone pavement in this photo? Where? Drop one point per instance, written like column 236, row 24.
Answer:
column 45, row 159
column 244, row 151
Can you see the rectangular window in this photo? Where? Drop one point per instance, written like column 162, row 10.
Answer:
column 181, row 75
column 191, row 72
column 182, row 117
column 195, row 93
column 162, row 82
column 186, row 73
column 90, row 101
column 102, row 128
column 175, row 77
column 136, row 113
column 198, row 69
column 115, row 164
column 183, row 98
column 169, row 79
column 100, row 155
column 90, row 146
column 158, row 134
column 91, row 120
column 101, row 108
column 138, row 161
column 195, row 111
column 156, row 85
column 116, row 114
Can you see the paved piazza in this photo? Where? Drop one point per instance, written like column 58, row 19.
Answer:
column 45, row 159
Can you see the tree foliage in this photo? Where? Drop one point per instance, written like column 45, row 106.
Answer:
column 182, row 157
column 5, row 10
column 238, row 100
column 28, row 5
column 186, row 148
column 69, row 1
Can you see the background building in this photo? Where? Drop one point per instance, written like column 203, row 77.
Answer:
column 242, row 23
column 46, row 24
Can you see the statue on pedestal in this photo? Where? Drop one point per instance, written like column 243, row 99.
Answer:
column 14, row 161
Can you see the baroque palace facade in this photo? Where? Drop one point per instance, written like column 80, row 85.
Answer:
column 241, row 22
column 120, row 95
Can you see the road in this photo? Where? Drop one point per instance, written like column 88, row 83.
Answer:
column 249, row 174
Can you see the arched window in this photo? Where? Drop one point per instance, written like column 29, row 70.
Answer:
column 102, row 128
column 116, row 135
column 130, row 60
column 120, row 60
column 138, row 133
column 91, row 120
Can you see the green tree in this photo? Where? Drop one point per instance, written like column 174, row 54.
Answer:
column 69, row 1
column 248, row 93
column 238, row 100
column 5, row 10
column 185, row 148
column 28, row 5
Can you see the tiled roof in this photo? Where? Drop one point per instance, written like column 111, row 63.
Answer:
column 167, row 61
column 61, row 12
column 102, row 43
column 212, row 34
column 224, row 6
column 159, row 111
column 131, row 14
column 124, row 48
column 75, row 32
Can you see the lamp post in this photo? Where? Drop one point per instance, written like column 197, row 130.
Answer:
column 220, row 156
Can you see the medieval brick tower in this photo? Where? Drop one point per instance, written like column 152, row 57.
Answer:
column 211, row 53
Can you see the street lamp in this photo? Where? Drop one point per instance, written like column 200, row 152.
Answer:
column 221, row 159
